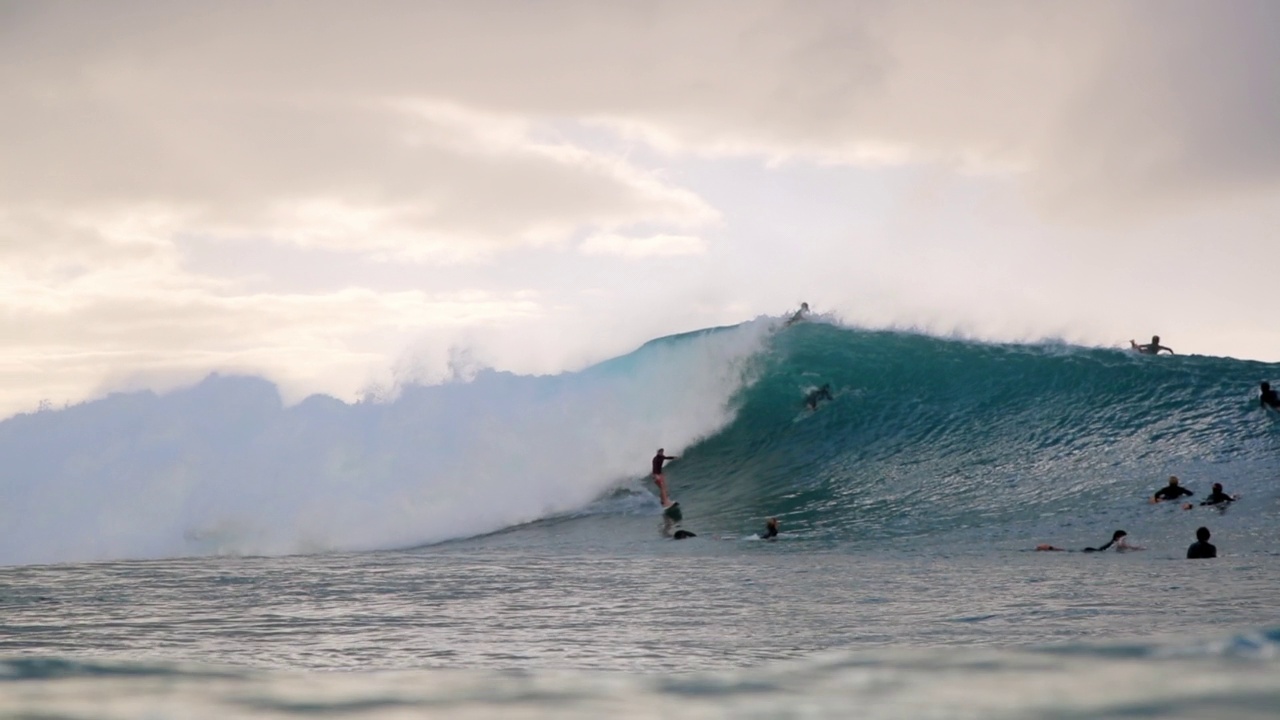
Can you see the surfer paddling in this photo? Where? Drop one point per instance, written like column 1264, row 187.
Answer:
column 1117, row 541
column 658, row 478
column 1218, row 496
column 1172, row 491
column 801, row 314
column 1152, row 348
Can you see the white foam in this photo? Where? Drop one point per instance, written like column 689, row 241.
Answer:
column 224, row 467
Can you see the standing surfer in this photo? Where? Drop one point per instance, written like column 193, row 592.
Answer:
column 658, row 478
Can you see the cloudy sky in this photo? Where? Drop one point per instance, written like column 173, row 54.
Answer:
column 340, row 195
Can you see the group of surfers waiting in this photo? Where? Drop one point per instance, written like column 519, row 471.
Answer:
column 1172, row 491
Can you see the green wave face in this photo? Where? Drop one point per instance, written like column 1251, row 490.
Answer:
column 925, row 435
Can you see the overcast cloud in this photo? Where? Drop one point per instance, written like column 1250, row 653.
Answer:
column 550, row 183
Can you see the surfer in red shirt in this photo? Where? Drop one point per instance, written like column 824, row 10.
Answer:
column 658, row 478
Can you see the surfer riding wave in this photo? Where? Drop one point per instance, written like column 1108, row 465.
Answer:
column 658, row 478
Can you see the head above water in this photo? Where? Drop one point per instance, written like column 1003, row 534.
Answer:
column 1202, row 534
column 1117, row 535
column 1155, row 339
column 1266, row 386
column 1173, row 479
column 1217, row 487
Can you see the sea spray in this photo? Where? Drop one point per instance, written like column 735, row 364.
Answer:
column 224, row 467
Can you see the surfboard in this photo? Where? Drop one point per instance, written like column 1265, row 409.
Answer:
column 672, row 512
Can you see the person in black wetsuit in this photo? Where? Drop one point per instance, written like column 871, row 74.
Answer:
column 658, row 478
column 1218, row 497
column 800, row 314
column 816, row 396
column 1172, row 491
column 770, row 529
column 1269, row 398
column 1201, row 548
column 1118, row 540
column 1153, row 348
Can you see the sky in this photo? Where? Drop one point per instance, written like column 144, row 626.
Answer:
column 345, row 197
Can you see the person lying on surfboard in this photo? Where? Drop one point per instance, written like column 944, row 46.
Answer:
column 800, row 314
column 1152, row 348
column 658, row 478
column 1117, row 541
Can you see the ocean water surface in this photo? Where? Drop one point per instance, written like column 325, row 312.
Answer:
column 490, row 547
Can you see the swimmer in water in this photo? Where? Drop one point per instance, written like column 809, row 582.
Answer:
column 1201, row 548
column 1269, row 398
column 1117, row 541
column 770, row 529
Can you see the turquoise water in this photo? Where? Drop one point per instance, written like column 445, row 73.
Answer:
column 490, row 547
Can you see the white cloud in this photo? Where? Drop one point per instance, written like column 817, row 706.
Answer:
column 479, row 144
column 638, row 247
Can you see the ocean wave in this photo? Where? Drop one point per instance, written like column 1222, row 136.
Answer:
column 922, row 438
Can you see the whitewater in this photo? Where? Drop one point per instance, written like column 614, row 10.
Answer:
column 491, row 546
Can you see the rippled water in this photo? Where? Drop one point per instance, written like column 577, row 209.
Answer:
column 700, row 629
